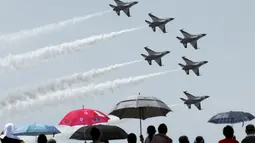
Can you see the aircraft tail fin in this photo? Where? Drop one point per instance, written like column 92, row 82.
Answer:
column 183, row 99
column 186, row 71
column 113, row 6
column 147, row 21
column 144, row 55
column 181, row 65
column 179, row 38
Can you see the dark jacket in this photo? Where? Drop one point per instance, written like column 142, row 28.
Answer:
column 10, row 140
column 249, row 139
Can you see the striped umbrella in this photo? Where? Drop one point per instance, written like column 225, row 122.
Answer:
column 231, row 117
column 140, row 107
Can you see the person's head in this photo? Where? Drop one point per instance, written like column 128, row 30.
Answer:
column 199, row 139
column 162, row 128
column 95, row 133
column 183, row 139
column 51, row 141
column 228, row 131
column 8, row 129
column 131, row 138
column 42, row 139
column 151, row 130
column 250, row 129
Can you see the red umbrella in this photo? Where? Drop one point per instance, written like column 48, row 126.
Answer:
column 84, row 117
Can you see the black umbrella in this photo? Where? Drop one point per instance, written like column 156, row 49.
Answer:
column 108, row 132
column 140, row 107
column 231, row 117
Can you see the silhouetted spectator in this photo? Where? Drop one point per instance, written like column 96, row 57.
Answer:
column 8, row 136
column 52, row 141
column 199, row 139
column 161, row 136
column 183, row 139
column 95, row 134
column 250, row 131
column 42, row 139
column 131, row 138
column 151, row 130
column 228, row 132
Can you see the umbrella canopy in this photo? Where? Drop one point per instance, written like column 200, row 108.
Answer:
column 35, row 130
column 140, row 107
column 84, row 117
column 231, row 117
column 108, row 132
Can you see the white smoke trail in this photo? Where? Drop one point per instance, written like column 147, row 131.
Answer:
column 48, row 28
column 70, row 95
column 61, row 83
column 27, row 59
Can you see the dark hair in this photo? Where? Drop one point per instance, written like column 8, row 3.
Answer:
column 250, row 129
column 228, row 131
column 131, row 138
column 162, row 128
column 151, row 130
column 199, row 139
column 52, row 141
column 95, row 133
column 183, row 139
column 42, row 138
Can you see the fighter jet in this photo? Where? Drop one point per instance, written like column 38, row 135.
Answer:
column 158, row 22
column 124, row 6
column 189, row 38
column 190, row 65
column 154, row 56
column 193, row 100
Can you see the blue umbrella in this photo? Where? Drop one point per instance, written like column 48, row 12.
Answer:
column 231, row 117
column 35, row 130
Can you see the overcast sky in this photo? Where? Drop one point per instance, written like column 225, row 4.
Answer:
column 227, row 78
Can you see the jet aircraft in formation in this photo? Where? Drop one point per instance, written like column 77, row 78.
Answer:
column 124, row 6
column 190, row 65
column 158, row 22
column 189, row 38
column 156, row 56
column 195, row 100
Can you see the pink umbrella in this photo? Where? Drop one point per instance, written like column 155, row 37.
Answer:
column 84, row 117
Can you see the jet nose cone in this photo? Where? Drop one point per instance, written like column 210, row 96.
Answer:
column 205, row 62
column 136, row 2
column 171, row 18
column 203, row 34
column 207, row 96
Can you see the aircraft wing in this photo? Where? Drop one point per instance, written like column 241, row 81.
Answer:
column 118, row 2
column 163, row 28
column 185, row 34
column 196, row 71
column 153, row 17
column 194, row 44
column 127, row 12
column 149, row 51
column 188, row 61
column 190, row 96
column 159, row 61
column 198, row 105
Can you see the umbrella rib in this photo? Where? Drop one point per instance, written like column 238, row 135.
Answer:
column 139, row 99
